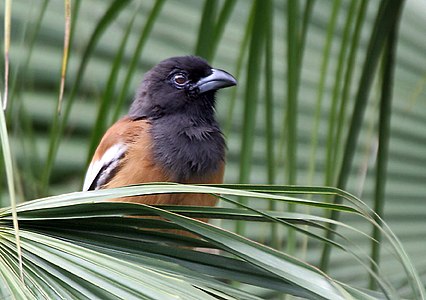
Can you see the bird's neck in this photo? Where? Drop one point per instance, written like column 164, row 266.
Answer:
column 188, row 145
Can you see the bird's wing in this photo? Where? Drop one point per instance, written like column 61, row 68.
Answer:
column 101, row 170
column 110, row 153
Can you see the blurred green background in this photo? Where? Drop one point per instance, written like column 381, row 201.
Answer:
column 256, row 117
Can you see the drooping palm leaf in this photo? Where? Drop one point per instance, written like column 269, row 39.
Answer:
column 90, row 248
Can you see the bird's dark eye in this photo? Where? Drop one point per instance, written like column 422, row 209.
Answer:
column 180, row 79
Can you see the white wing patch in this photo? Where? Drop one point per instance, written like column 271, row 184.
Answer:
column 100, row 171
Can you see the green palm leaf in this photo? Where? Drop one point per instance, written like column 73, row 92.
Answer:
column 91, row 249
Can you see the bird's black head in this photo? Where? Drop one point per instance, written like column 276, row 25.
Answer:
column 185, row 84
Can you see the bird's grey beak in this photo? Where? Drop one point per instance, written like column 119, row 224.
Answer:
column 219, row 79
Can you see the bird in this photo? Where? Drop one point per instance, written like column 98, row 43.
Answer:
column 170, row 134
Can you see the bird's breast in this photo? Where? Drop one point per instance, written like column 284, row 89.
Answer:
column 188, row 150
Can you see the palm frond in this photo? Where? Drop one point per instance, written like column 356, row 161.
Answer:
column 94, row 248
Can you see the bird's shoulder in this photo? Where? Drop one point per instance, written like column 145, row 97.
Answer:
column 124, row 131
column 110, row 153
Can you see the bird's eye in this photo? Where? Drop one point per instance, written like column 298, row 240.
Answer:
column 180, row 79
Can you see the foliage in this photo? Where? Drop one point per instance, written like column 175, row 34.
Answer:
column 306, row 111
